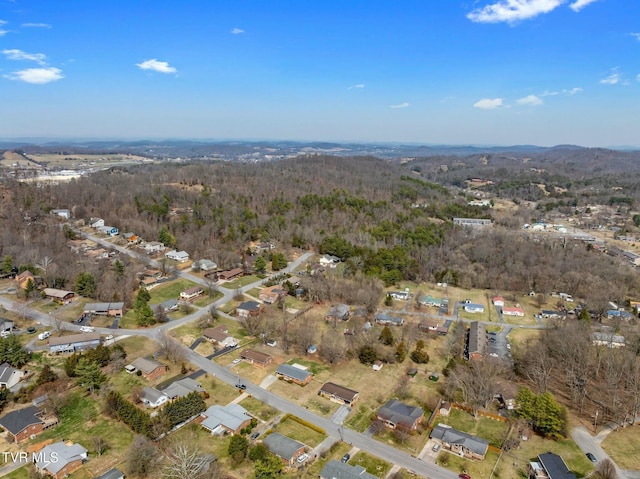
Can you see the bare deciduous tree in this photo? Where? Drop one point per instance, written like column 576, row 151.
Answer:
column 169, row 347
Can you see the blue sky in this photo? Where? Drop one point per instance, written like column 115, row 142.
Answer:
column 485, row 72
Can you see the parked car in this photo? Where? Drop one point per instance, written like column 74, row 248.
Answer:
column 255, row 435
column 591, row 457
column 5, row 334
column 241, row 386
column 435, row 448
column 44, row 335
column 272, row 343
column 346, row 457
column 87, row 329
column 31, row 329
column 236, row 360
column 108, row 337
column 303, row 457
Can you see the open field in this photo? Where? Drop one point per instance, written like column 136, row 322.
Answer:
column 72, row 161
column 623, row 446
column 291, row 428
column 372, row 464
column 486, row 428
column 242, row 281
column 259, row 409
column 169, row 290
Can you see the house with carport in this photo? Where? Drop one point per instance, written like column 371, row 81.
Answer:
column 341, row 470
column 229, row 419
column 220, row 336
column 74, row 343
column 459, row 442
column 258, row 358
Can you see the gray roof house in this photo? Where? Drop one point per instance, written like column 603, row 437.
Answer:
column 152, row 397
column 551, row 466
column 205, row 265
column 384, row 318
column 70, row 457
column 284, row 447
column 340, row 470
column 74, row 342
column 182, row 388
column 112, row 474
column 477, row 340
column 9, row 376
column 396, row 414
column 230, row 418
column 294, row 374
column 460, row 442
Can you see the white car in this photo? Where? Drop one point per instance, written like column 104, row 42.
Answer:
column 109, row 337
column 236, row 360
column 87, row 329
column 5, row 334
column 272, row 343
column 303, row 457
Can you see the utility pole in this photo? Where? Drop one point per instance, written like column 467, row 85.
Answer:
column 595, row 422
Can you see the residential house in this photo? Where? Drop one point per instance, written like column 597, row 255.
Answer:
column 109, row 230
column 23, row 279
column 338, row 312
column 400, row 295
column 550, row 466
column 131, row 238
column 152, row 397
column 9, row 376
column 115, row 310
column 168, row 305
column 70, row 458
column 179, row 256
column 284, row 447
column 231, row 419
column 149, row 282
column 248, row 308
column 513, row 312
column 192, row 293
column 477, row 341
column 183, row 387
column 62, row 213
column 272, row 294
column 96, row 222
column 153, row 247
column 473, row 308
column 263, row 246
column 59, row 295
column 395, row 414
column 97, row 254
column 204, row 265
column 294, row 373
column 459, row 442
column 428, row 326
column 150, row 368
column 230, row 274
column 220, row 336
column 256, row 357
column 112, row 474
column 618, row 314
column 442, row 330
column 609, row 340
column 498, row 301
column 25, row 423
column 6, row 324
column 341, row 470
column 74, row 343
column 550, row 314
column 329, row 260
column 339, row 394
column 427, row 300
column 377, row 365
column 384, row 318
column 471, row 222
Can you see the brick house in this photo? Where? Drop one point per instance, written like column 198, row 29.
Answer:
column 150, row 368
column 70, row 458
column 256, row 357
column 339, row 394
column 397, row 415
column 294, row 374
column 284, row 447
column 26, row 422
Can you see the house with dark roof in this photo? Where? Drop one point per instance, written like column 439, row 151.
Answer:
column 74, row 343
column 338, row 312
column 220, row 335
column 341, row 470
column 459, row 442
column 231, row 418
column 70, row 458
column 9, row 376
column 150, row 368
column 26, row 422
column 550, row 466
column 256, row 357
column 339, row 394
column 384, row 318
column 112, row 474
column 192, row 293
column 59, row 295
column 477, row 341
column 291, row 373
column 230, row 274
column 395, row 414
column 248, row 308
column 272, row 294
column 115, row 310
column 284, row 447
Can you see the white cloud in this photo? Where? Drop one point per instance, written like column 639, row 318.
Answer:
column 549, row 93
column 637, row 35
column 359, row 85
column 15, row 54
column 580, row 4
column 530, row 100
column 156, row 66
column 488, row 103
column 400, row 105
column 573, row 91
column 36, row 25
column 237, row 31
column 564, row 91
column 613, row 78
column 3, row 32
column 511, row 11
column 638, row 77
column 38, row 76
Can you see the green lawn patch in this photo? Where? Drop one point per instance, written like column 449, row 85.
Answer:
column 360, row 420
column 312, row 366
column 488, row 429
column 240, row 282
column 259, row 409
column 169, row 290
column 372, row 464
column 292, row 428
column 623, row 446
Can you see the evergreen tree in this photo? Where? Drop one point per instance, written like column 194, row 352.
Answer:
column 89, row 374
column 238, row 447
column 166, row 238
column 85, row 285
column 268, row 468
column 419, row 355
column 7, row 265
column 386, row 336
column 367, row 354
column 12, row 352
column 46, row 376
column 260, row 264
column 401, row 352
column 278, row 261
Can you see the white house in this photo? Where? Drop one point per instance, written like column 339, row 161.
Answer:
column 498, row 301
column 329, row 260
column 473, row 308
column 179, row 256
column 9, row 376
column 97, row 222
column 153, row 247
column 66, row 214
column 153, row 398
column 513, row 312
column 401, row 295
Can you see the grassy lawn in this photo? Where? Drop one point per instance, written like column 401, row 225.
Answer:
column 315, row 367
column 474, row 468
column 136, row 346
column 372, row 464
column 169, row 290
column 489, row 429
column 292, row 428
column 259, row 409
column 623, row 446
column 22, row 473
column 240, row 282
column 205, row 299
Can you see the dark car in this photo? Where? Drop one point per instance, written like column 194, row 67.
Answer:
column 241, row 386
column 346, row 457
column 591, row 457
column 255, row 435
column 31, row 329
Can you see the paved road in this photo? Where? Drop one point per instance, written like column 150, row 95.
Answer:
column 588, row 443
